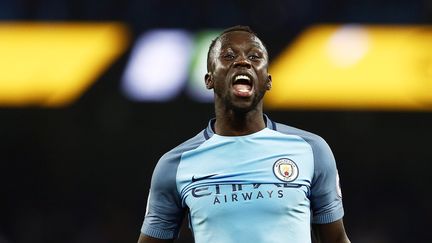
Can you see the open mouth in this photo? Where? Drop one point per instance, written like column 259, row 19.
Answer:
column 242, row 85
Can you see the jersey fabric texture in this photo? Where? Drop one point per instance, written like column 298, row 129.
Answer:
column 268, row 186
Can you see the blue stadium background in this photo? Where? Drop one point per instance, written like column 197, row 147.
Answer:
column 82, row 173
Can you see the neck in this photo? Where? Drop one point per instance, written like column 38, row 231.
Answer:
column 231, row 123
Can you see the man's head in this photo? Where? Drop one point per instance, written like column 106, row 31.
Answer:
column 237, row 64
column 210, row 53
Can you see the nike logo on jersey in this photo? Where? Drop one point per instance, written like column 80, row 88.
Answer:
column 195, row 179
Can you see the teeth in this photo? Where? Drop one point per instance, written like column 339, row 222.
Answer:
column 241, row 77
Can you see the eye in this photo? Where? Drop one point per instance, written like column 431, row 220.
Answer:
column 254, row 57
column 228, row 56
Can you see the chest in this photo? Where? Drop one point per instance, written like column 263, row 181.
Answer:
column 271, row 174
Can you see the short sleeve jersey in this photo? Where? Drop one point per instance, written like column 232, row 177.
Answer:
column 268, row 186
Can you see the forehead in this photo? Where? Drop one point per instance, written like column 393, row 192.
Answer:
column 237, row 39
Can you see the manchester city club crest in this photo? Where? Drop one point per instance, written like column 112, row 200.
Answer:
column 285, row 170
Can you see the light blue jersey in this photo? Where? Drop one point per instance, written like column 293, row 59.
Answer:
column 268, row 186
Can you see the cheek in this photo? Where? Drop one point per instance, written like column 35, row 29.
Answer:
column 220, row 74
column 219, row 83
column 262, row 73
column 262, row 66
column 216, row 63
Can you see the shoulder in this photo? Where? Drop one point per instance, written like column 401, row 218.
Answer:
column 316, row 141
column 323, row 156
column 173, row 156
column 164, row 174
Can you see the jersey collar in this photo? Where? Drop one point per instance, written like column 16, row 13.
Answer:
column 209, row 131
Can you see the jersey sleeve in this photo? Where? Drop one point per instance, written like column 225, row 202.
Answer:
column 164, row 213
column 326, row 196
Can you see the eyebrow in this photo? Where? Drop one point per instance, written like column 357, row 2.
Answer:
column 254, row 46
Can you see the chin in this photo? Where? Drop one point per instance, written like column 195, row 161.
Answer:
column 243, row 110
column 240, row 105
column 245, row 107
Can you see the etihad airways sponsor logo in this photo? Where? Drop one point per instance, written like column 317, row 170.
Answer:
column 241, row 192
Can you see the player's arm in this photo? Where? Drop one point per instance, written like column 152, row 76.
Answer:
column 164, row 211
column 330, row 233
column 147, row 239
column 326, row 198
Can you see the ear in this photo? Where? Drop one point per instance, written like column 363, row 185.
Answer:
column 269, row 82
column 209, row 80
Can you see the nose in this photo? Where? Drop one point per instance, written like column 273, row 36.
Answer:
column 242, row 62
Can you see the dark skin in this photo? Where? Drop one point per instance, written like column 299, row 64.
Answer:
column 238, row 53
column 239, row 109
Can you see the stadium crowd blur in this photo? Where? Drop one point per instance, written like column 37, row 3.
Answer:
column 81, row 173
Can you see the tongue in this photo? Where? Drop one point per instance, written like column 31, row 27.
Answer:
column 242, row 89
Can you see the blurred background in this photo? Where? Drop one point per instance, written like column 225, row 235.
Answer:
column 92, row 93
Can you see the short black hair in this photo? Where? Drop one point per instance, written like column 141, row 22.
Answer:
column 228, row 30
